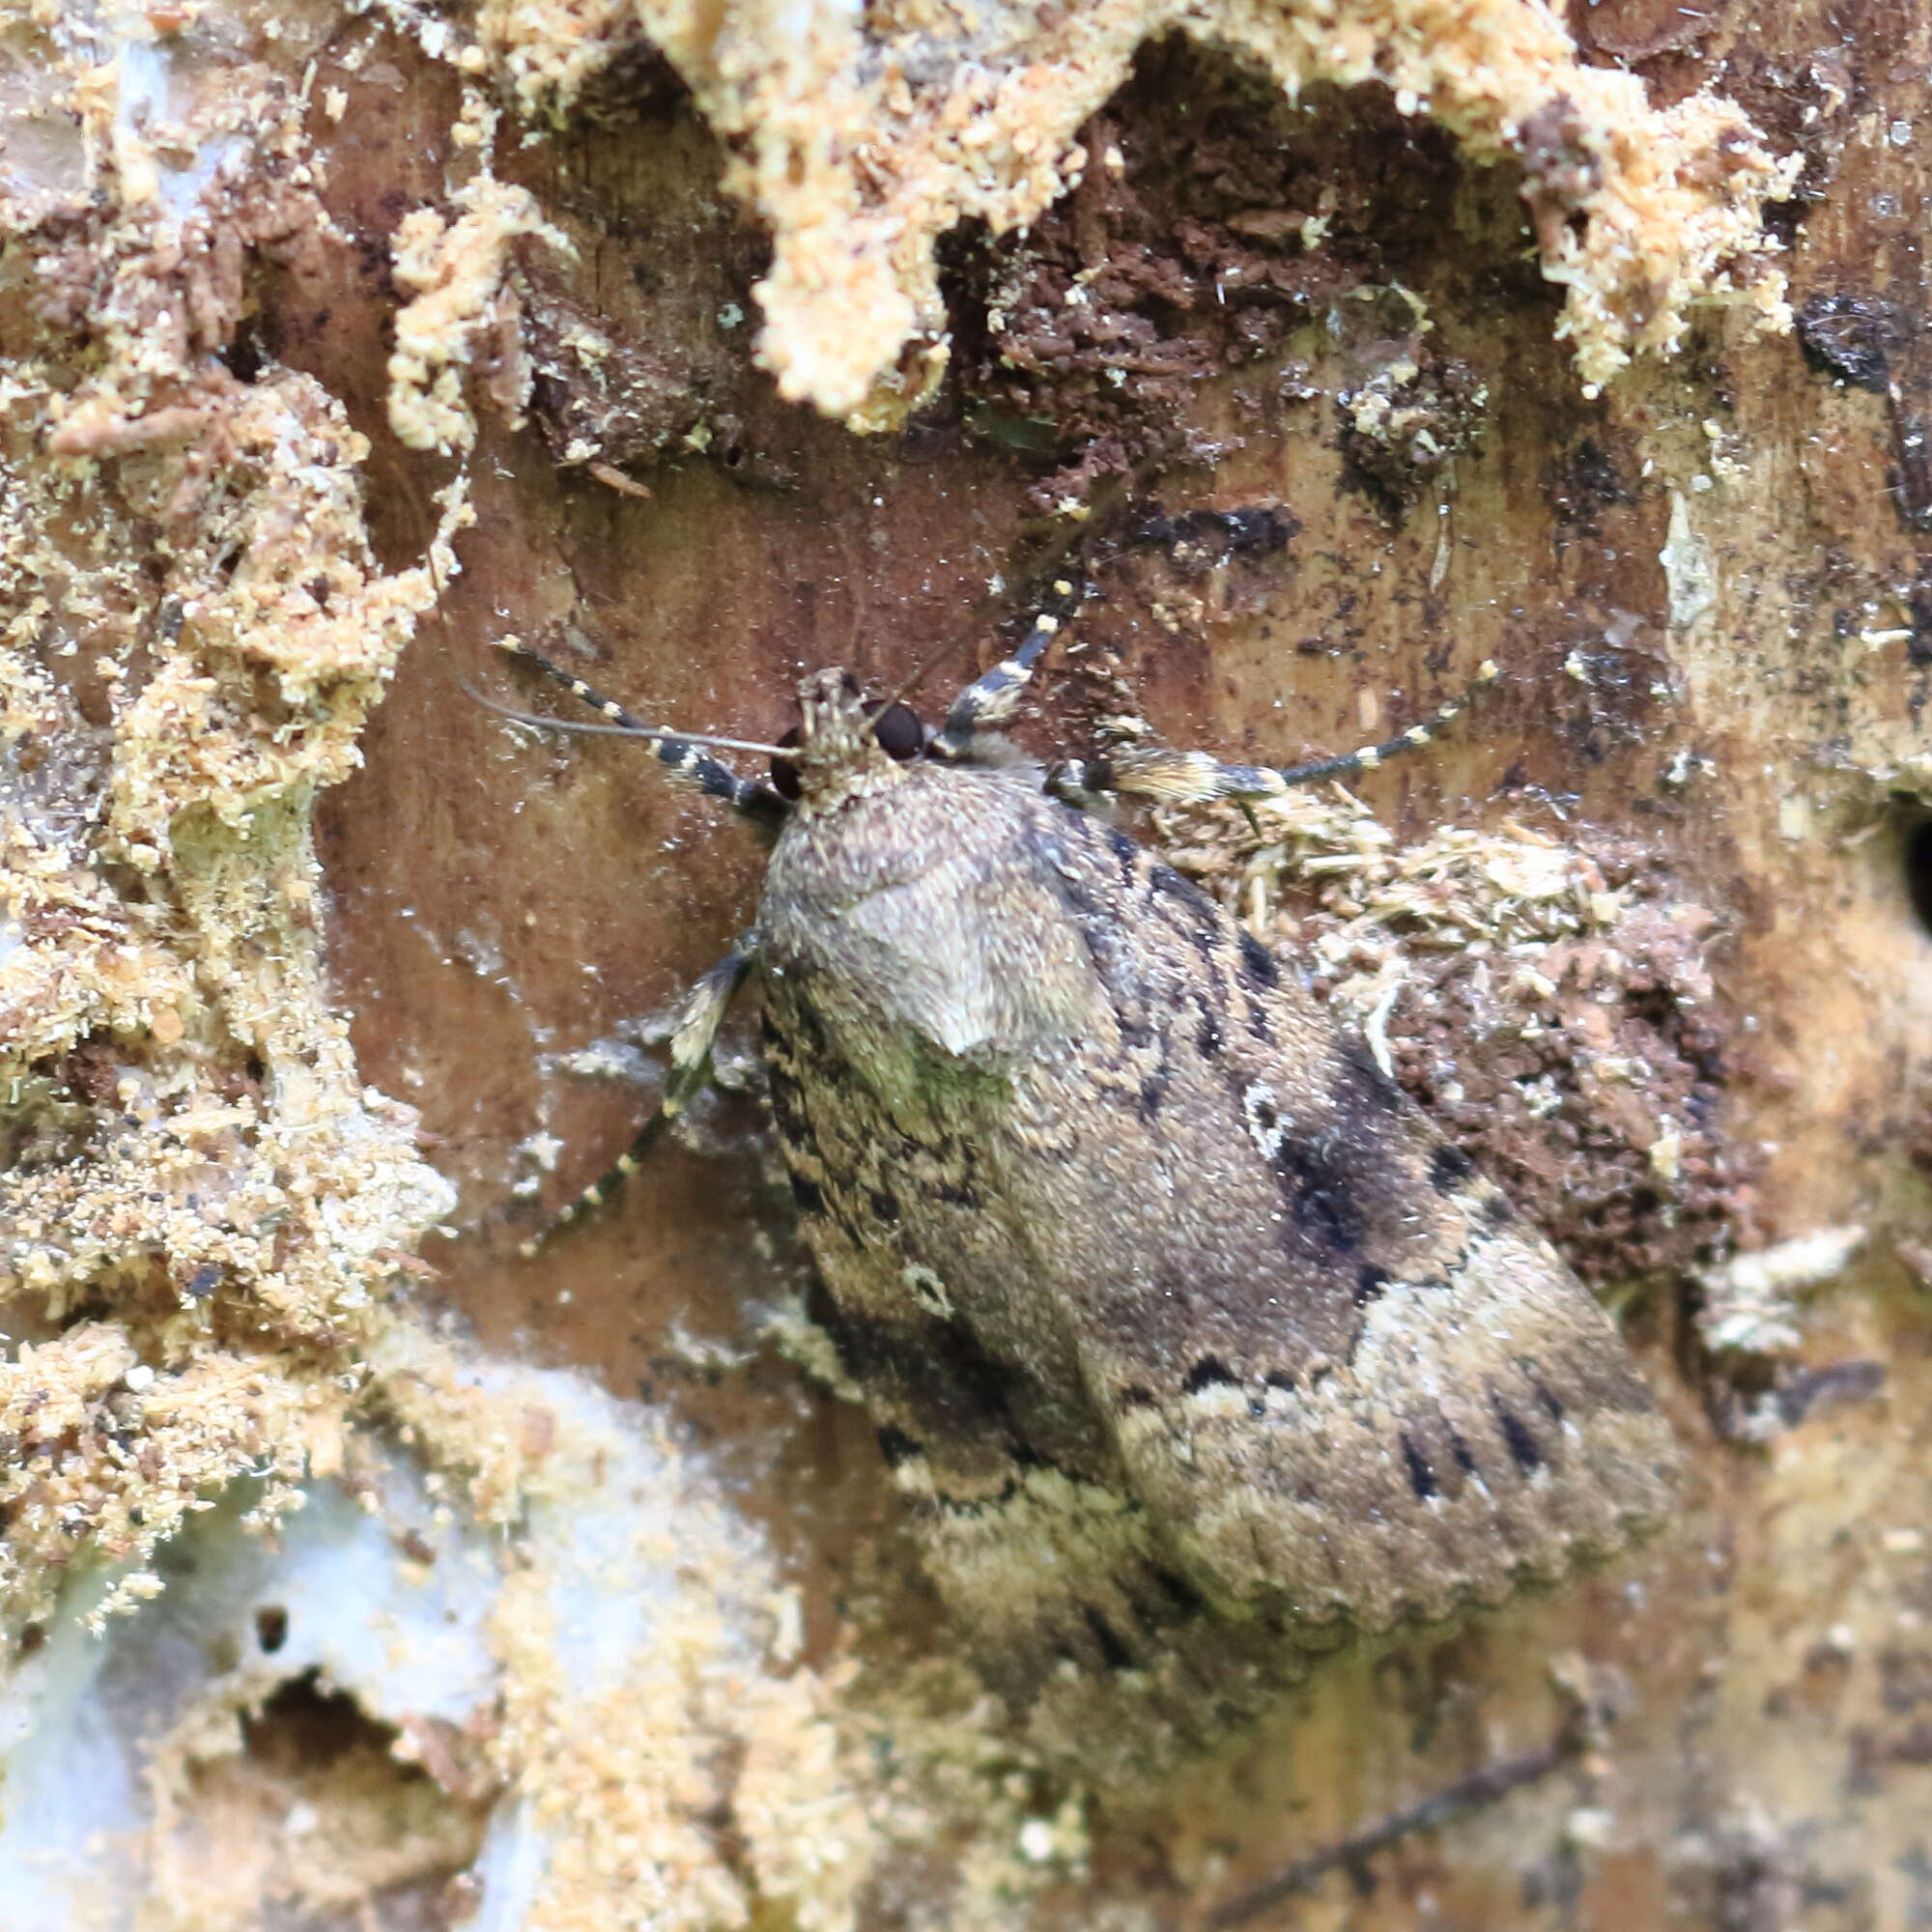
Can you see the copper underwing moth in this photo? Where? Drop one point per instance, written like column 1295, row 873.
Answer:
column 1193, row 1348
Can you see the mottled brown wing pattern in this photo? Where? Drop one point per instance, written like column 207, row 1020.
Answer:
column 1195, row 1347
column 1361, row 1390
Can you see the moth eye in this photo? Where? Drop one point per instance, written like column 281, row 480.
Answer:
column 900, row 734
column 785, row 774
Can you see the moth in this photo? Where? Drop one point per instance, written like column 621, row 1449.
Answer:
column 1195, row 1351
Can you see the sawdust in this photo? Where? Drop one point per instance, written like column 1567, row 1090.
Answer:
column 313, row 1806
column 1222, row 229
column 195, row 632
column 683, row 1761
column 1409, row 422
column 209, row 1223
column 863, row 139
column 690, row 1762
column 463, row 308
column 1749, row 1302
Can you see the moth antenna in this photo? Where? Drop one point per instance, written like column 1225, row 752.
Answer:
column 994, row 696
column 1107, row 498
column 676, row 751
column 1193, row 778
column 579, row 729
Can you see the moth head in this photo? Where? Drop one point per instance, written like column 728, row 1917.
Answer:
column 842, row 734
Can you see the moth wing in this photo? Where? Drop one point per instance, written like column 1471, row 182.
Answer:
column 1344, row 1383
column 1163, row 1299
column 1485, row 1433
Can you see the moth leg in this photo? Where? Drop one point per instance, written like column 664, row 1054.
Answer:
column 679, row 757
column 992, row 698
column 1191, row 777
column 700, row 1013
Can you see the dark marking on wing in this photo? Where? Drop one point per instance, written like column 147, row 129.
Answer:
column 1206, row 1374
column 1124, row 850
column 942, row 1504
column 807, row 1193
column 1449, row 1167
column 1466, row 1460
column 1153, row 1087
column 788, row 1115
column 1072, row 890
column 1319, row 1198
column 1187, row 1600
column 1371, row 1282
column 1166, row 881
column 1188, row 911
column 884, row 1206
column 938, row 1364
column 897, row 1446
column 798, row 1006
column 1496, row 1215
column 1421, row 1477
column 1258, row 962
column 966, row 1360
column 1524, row 1450
column 1360, row 1086
column 1113, row 1654
column 1160, row 1599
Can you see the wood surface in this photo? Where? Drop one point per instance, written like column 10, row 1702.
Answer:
column 1768, row 1765
column 1710, row 591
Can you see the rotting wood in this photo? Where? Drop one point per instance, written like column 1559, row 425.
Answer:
column 1693, row 815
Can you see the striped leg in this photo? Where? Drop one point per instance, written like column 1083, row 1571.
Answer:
column 992, row 698
column 700, row 1013
column 681, row 758
column 1190, row 777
